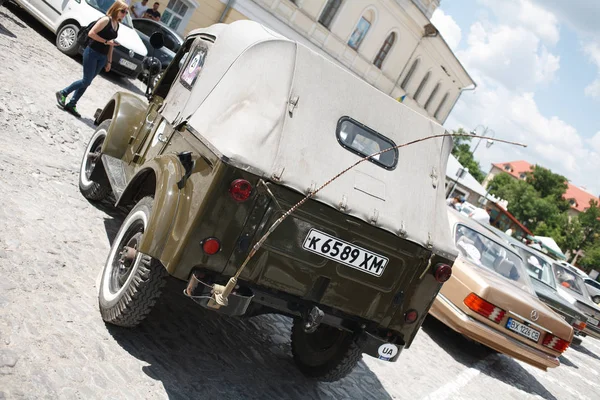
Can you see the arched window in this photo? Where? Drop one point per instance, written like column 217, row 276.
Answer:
column 439, row 109
column 421, row 85
column 414, row 66
column 431, row 96
column 362, row 27
column 331, row 8
column 385, row 49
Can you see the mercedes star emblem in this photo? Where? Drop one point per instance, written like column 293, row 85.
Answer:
column 534, row 315
column 131, row 53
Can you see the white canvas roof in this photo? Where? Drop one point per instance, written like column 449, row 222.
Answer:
column 240, row 106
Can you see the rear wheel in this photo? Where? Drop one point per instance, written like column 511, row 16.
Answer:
column 93, row 190
column 328, row 354
column 131, row 281
column 66, row 39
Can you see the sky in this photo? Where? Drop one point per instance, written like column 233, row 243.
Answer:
column 537, row 68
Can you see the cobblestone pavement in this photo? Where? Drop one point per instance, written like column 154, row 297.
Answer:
column 53, row 343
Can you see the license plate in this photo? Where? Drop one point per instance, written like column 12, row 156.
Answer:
column 593, row 321
column 345, row 253
column 127, row 64
column 523, row 330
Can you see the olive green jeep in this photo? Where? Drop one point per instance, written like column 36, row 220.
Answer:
column 242, row 126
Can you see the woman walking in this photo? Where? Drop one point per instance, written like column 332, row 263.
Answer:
column 98, row 54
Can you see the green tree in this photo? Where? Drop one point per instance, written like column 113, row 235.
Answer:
column 462, row 152
column 547, row 183
column 590, row 222
column 592, row 257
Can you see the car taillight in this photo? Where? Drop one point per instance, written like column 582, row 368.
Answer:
column 482, row 307
column 442, row 272
column 411, row 316
column 211, row 246
column 555, row 343
column 580, row 325
column 240, row 190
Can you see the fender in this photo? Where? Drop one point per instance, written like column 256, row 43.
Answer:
column 127, row 112
column 158, row 178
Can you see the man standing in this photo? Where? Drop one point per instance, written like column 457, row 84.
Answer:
column 153, row 13
column 455, row 202
column 138, row 9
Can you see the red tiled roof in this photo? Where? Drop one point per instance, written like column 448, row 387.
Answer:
column 580, row 196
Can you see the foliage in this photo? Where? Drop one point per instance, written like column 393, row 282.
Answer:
column 462, row 152
column 592, row 257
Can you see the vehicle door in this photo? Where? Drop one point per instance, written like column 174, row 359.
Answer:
column 158, row 126
column 51, row 9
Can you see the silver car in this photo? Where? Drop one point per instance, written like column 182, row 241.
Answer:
column 593, row 288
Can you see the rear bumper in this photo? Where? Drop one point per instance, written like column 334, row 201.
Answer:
column 595, row 333
column 455, row 318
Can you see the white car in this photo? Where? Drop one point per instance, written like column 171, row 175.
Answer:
column 66, row 17
column 593, row 288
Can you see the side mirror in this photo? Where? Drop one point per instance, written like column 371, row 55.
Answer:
column 157, row 40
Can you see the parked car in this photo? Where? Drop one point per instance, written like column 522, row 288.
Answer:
column 573, row 286
column 490, row 299
column 573, row 269
column 539, row 267
column 66, row 17
column 467, row 208
column 172, row 41
column 240, row 129
column 593, row 288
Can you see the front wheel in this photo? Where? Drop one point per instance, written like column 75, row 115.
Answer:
column 131, row 281
column 66, row 39
column 328, row 354
column 596, row 299
column 89, row 189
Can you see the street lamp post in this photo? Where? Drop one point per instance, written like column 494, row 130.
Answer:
column 490, row 140
column 459, row 175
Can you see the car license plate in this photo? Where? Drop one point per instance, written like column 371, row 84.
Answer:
column 345, row 253
column 127, row 64
column 523, row 330
column 593, row 321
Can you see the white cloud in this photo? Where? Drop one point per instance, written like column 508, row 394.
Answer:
column 448, row 28
column 593, row 52
column 511, row 55
column 593, row 89
column 595, row 142
column 527, row 14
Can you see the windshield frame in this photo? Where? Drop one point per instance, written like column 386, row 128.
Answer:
column 524, row 283
column 126, row 21
column 577, row 279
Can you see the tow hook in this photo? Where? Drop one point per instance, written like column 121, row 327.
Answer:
column 313, row 319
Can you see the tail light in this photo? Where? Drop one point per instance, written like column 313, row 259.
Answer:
column 240, row 190
column 580, row 325
column 411, row 316
column 442, row 272
column 211, row 246
column 555, row 343
column 482, row 307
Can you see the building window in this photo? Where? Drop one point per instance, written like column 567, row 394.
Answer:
column 572, row 202
column 361, row 30
column 410, row 73
column 384, row 50
column 507, row 167
column 331, row 8
column 174, row 14
column 439, row 109
column 432, row 96
column 523, row 175
column 421, row 85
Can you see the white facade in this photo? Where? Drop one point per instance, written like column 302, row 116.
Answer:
column 378, row 40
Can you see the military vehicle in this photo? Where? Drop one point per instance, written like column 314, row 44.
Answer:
column 242, row 126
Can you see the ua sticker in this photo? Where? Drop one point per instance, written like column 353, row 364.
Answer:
column 387, row 351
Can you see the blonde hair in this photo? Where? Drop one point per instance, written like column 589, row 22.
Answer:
column 117, row 6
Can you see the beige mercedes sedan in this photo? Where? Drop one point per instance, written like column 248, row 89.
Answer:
column 490, row 299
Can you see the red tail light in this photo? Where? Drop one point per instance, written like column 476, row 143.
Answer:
column 555, row 343
column 411, row 316
column 211, row 246
column 240, row 190
column 482, row 307
column 442, row 272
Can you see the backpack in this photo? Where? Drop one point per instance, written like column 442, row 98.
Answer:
column 82, row 36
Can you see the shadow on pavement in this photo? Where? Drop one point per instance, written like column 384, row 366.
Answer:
column 469, row 353
column 585, row 351
column 13, row 8
column 197, row 353
column 565, row 361
column 122, row 82
column 6, row 32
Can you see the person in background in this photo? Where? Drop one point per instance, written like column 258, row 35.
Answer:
column 153, row 13
column 97, row 55
column 455, row 202
column 139, row 9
